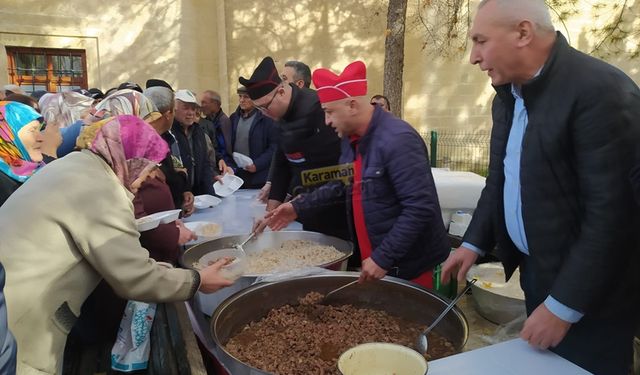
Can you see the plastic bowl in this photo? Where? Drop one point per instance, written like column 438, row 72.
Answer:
column 230, row 184
column 231, row 271
column 378, row 358
column 146, row 223
column 204, row 229
column 167, row 217
column 205, row 201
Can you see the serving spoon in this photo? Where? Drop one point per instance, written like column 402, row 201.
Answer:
column 422, row 345
column 240, row 246
column 338, row 289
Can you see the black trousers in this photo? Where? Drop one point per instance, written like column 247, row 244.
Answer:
column 598, row 345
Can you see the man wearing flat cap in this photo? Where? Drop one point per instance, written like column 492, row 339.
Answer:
column 305, row 144
column 391, row 200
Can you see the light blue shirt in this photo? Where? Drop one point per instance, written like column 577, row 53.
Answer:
column 513, row 198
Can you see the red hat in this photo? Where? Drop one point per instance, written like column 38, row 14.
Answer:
column 331, row 87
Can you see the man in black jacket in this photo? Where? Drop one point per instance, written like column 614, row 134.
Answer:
column 558, row 202
column 305, row 143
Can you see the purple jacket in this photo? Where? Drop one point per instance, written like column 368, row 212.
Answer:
column 400, row 203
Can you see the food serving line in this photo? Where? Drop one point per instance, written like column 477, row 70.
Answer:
column 236, row 215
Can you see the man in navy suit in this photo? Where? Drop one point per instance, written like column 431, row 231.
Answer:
column 558, row 202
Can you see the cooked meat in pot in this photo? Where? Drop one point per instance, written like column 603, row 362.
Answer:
column 308, row 338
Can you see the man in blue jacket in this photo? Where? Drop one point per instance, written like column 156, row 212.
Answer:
column 391, row 200
column 254, row 135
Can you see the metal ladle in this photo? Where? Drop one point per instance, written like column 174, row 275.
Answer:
column 338, row 289
column 422, row 345
column 240, row 246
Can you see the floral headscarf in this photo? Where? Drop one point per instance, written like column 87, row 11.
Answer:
column 128, row 144
column 64, row 108
column 14, row 157
column 126, row 102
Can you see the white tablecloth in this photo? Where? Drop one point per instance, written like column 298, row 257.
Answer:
column 236, row 213
column 514, row 357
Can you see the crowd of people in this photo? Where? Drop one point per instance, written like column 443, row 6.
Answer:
column 78, row 167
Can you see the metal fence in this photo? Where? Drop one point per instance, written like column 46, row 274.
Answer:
column 459, row 150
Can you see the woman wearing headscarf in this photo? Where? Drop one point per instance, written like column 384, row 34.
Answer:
column 154, row 195
column 20, row 144
column 60, row 111
column 102, row 311
column 132, row 102
column 126, row 102
column 86, row 229
column 71, row 111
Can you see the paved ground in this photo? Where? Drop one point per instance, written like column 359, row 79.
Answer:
column 481, row 331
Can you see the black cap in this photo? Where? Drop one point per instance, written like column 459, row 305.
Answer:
column 38, row 94
column 130, row 85
column 263, row 80
column 96, row 93
column 83, row 92
column 241, row 90
column 158, row 82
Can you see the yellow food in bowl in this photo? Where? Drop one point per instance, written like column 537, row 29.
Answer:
column 209, row 230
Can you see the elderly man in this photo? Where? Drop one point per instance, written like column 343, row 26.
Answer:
column 256, row 136
column 298, row 73
column 220, row 131
column 558, row 201
column 305, row 143
column 393, row 200
column 193, row 146
column 164, row 99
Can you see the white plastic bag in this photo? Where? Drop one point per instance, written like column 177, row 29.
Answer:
column 506, row 331
column 130, row 352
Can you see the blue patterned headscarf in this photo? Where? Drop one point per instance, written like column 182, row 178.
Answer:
column 14, row 157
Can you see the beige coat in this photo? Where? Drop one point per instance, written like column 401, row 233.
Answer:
column 67, row 227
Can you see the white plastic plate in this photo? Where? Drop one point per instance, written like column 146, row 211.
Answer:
column 230, row 185
column 205, row 201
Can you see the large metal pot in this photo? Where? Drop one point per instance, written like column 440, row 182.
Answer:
column 395, row 296
column 209, row 302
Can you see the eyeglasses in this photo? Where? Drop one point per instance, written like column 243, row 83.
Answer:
column 264, row 108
